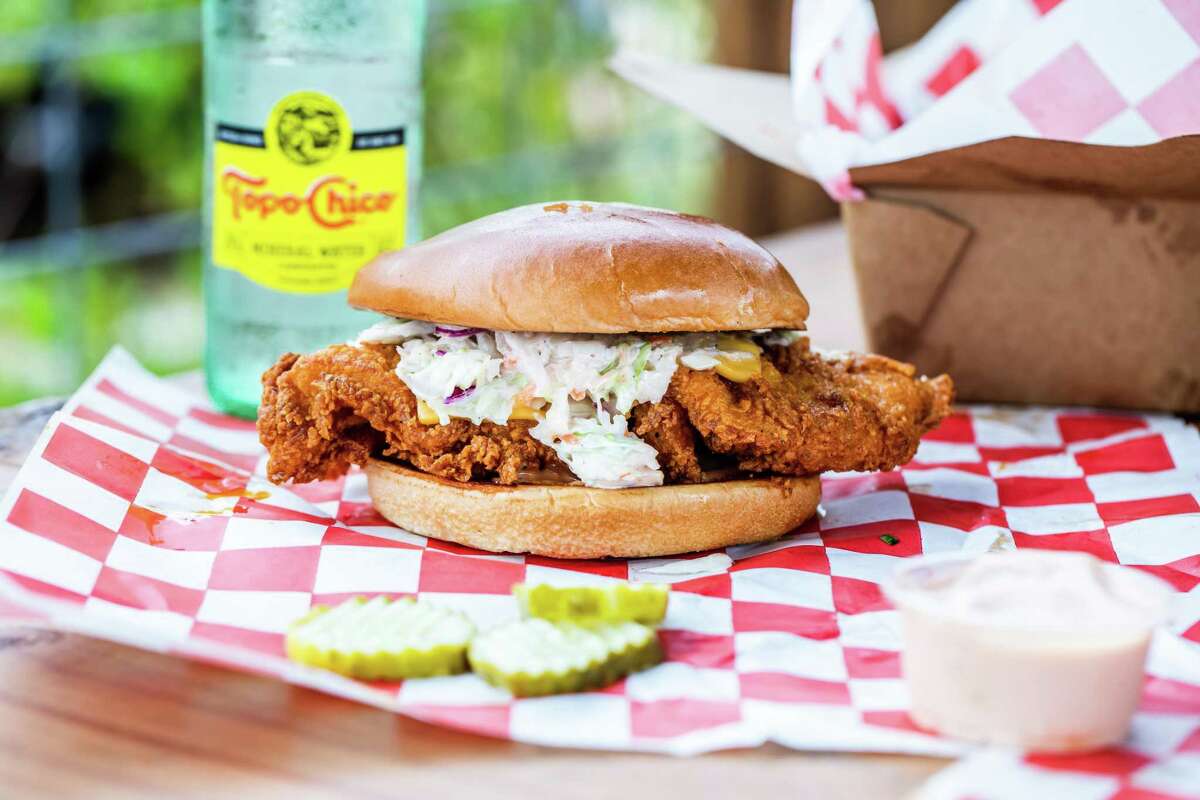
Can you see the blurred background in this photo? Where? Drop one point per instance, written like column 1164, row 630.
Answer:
column 101, row 149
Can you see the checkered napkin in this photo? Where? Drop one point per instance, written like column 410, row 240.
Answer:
column 1109, row 72
column 143, row 517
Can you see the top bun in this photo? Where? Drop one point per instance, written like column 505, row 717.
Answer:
column 578, row 267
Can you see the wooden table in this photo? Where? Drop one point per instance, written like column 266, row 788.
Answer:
column 85, row 718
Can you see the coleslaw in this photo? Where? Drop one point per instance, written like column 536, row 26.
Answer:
column 579, row 388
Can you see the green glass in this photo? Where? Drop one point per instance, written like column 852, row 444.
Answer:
column 366, row 54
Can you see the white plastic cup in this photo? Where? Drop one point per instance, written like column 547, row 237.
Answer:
column 1043, row 669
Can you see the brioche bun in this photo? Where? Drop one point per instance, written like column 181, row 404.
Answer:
column 578, row 267
column 583, row 522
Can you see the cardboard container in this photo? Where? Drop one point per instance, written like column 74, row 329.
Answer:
column 1075, row 283
column 1033, row 270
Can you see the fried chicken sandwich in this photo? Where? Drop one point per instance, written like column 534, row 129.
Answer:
column 582, row 380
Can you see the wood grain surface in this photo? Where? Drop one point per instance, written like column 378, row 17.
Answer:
column 91, row 719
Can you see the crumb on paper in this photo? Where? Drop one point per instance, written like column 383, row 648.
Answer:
column 1002, row 543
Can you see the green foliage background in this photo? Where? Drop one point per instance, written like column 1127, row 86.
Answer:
column 519, row 108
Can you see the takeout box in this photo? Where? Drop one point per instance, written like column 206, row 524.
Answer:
column 1020, row 189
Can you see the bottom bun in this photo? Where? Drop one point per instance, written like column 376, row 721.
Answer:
column 582, row 522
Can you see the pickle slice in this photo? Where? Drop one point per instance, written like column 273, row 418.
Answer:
column 382, row 639
column 536, row 657
column 621, row 602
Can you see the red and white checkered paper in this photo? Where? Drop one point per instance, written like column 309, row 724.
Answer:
column 1110, row 72
column 143, row 517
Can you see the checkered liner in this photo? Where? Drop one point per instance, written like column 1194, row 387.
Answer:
column 1094, row 71
column 143, row 517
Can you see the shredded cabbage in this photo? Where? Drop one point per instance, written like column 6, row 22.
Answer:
column 435, row 366
column 783, row 338
column 601, row 451
column 394, row 330
column 583, row 386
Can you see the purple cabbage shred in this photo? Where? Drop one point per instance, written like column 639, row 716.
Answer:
column 459, row 394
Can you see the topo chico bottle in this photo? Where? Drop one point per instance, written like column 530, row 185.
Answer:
column 312, row 159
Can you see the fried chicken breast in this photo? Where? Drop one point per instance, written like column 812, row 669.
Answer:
column 325, row 411
column 806, row 413
column 815, row 413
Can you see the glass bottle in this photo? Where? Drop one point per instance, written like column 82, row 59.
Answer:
column 312, row 161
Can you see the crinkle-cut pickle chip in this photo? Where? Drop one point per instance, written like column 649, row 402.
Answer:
column 535, row 657
column 621, row 602
column 382, row 639
column 740, row 359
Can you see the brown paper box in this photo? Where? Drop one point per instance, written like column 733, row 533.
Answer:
column 1032, row 271
column 1036, row 271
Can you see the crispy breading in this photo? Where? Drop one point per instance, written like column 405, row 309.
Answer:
column 323, row 412
column 806, row 414
column 815, row 413
column 664, row 426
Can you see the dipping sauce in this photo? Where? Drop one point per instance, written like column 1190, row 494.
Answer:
column 1037, row 649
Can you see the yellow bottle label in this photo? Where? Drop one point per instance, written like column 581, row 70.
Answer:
column 302, row 204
